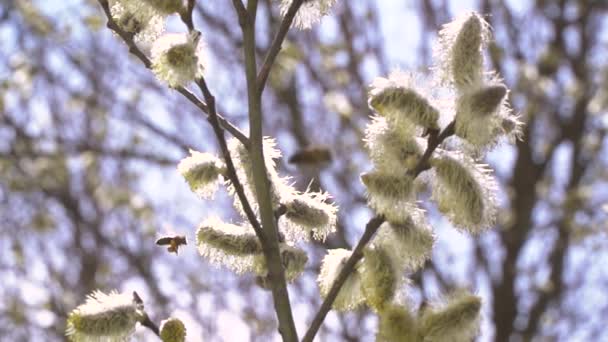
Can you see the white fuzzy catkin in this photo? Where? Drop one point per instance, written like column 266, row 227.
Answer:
column 391, row 149
column 310, row 13
column 228, row 245
column 350, row 295
column 404, row 103
column 202, row 172
column 104, row 317
column 379, row 277
column 480, row 113
column 396, row 324
column 389, row 194
column 465, row 191
column 279, row 187
column 459, row 51
column 172, row 330
column 165, row 7
column 456, row 321
column 177, row 58
column 309, row 213
column 409, row 243
column 139, row 19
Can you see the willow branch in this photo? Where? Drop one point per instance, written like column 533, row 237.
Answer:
column 434, row 140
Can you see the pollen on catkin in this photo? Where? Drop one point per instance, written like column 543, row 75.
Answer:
column 228, row 245
column 309, row 213
column 396, row 324
column 350, row 295
column 178, row 59
column 409, row 243
column 392, row 149
column 459, row 51
column 165, row 7
column 172, row 330
column 401, row 100
column 465, row 191
column 379, row 277
column 139, row 19
column 104, row 317
column 310, row 12
column 456, row 321
column 202, row 172
column 279, row 186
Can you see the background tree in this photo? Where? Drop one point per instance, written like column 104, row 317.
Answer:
column 88, row 136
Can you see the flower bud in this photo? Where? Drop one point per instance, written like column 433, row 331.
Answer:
column 378, row 278
column 172, row 330
column 395, row 323
column 178, row 58
column 308, row 213
column 202, row 172
column 350, row 295
column 457, row 321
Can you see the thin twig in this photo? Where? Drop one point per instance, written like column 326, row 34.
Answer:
column 275, row 47
column 434, row 140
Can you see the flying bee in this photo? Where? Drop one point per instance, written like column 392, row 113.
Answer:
column 312, row 155
column 173, row 242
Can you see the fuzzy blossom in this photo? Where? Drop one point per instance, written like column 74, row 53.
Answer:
column 404, row 103
column 389, row 194
column 465, row 191
column 481, row 113
column 310, row 12
column 138, row 19
column 202, row 172
column 178, row 58
column 293, row 259
column 172, row 330
column 457, row 320
column 165, row 7
column 279, row 187
column 392, row 149
column 350, row 295
column 379, row 277
column 229, row 245
column 409, row 243
column 104, row 317
column 459, row 51
column 309, row 212
column 396, row 324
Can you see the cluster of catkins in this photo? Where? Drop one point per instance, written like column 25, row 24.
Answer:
column 471, row 103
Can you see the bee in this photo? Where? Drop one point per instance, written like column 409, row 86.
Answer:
column 173, row 242
column 311, row 155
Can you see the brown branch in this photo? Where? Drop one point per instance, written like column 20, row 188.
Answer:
column 275, row 47
column 435, row 138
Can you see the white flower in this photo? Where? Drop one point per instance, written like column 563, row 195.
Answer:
column 139, row 19
column 404, row 103
column 202, row 171
column 389, row 194
column 178, row 58
column 309, row 13
column 279, row 188
column 350, row 295
column 390, row 149
column 172, row 330
column 459, row 51
column 307, row 213
column 409, row 243
column 104, row 317
column 229, row 245
column 457, row 320
column 465, row 191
